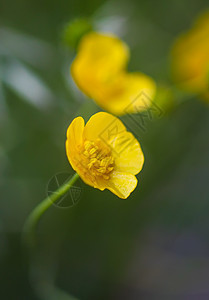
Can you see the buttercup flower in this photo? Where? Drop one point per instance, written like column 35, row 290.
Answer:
column 190, row 58
column 104, row 153
column 100, row 72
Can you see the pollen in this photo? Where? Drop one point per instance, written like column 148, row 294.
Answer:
column 97, row 160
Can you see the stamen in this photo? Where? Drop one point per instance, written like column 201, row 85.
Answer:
column 97, row 160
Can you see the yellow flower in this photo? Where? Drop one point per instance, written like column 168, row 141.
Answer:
column 100, row 72
column 190, row 58
column 104, row 154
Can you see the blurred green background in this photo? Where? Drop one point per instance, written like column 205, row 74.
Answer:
column 155, row 244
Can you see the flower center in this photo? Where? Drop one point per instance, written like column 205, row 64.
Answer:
column 98, row 159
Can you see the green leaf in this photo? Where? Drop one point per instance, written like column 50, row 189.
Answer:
column 74, row 31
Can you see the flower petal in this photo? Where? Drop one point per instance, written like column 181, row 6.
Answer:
column 190, row 57
column 122, row 184
column 106, row 51
column 127, row 153
column 103, row 126
column 74, row 139
column 100, row 57
column 75, row 131
column 128, row 93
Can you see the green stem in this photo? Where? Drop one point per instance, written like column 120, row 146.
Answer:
column 35, row 215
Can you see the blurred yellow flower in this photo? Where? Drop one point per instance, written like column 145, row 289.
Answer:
column 190, row 58
column 104, row 154
column 99, row 70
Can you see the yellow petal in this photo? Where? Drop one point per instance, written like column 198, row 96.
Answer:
column 74, row 139
column 128, row 93
column 122, row 184
column 106, row 51
column 75, row 131
column 103, row 126
column 190, row 57
column 127, row 153
column 100, row 58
